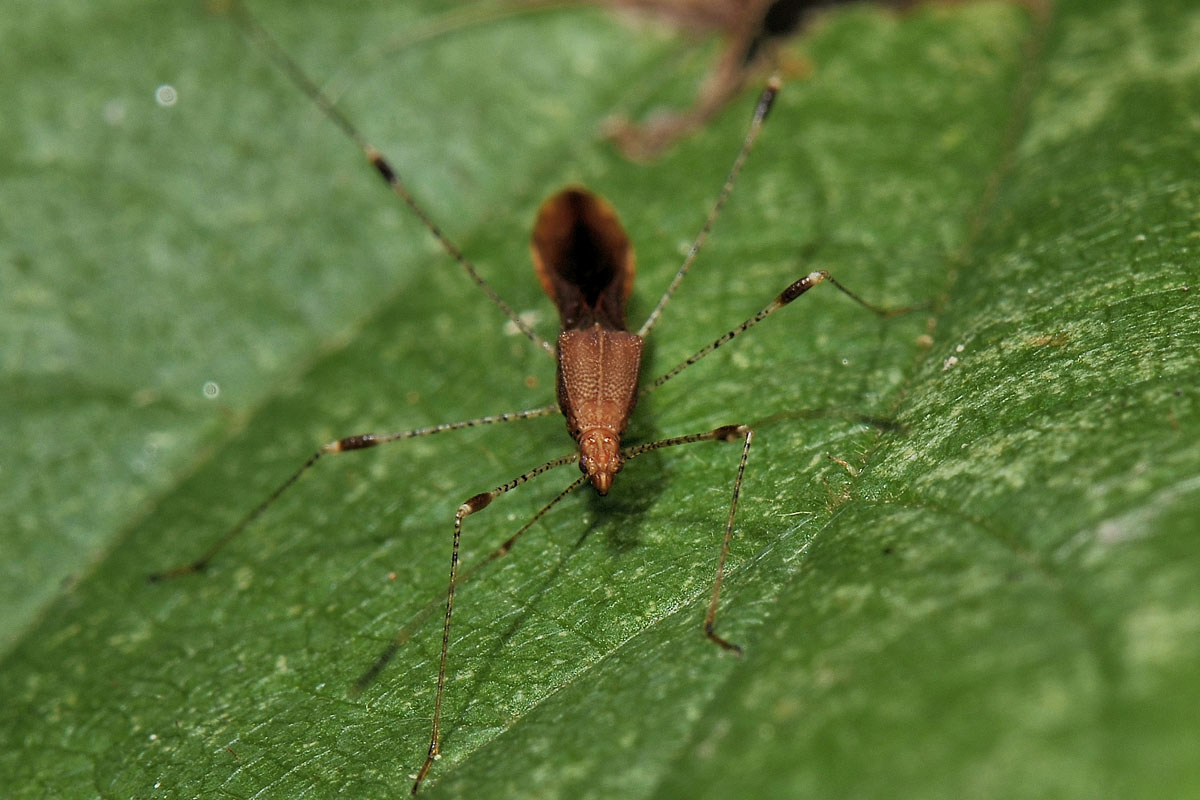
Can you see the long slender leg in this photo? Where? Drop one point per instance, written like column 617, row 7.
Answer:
column 259, row 36
column 761, row 109
column 726, row 433
column 345, row 444
column 400, row 638
column 476, row 503
column 785, row 297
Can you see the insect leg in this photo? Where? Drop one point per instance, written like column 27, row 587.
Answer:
column 345, row 444
column 261, row 39
column 472, row 505
column 761, row 109
column 785, row 297
column 726, row 433
column 406, row 632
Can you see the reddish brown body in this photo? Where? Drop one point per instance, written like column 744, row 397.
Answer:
column 585, row 262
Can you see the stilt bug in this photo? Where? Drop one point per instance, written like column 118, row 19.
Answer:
column 584, row 262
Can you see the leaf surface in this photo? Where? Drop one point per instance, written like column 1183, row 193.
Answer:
column 992, row 596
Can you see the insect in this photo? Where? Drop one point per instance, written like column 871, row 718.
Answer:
column 584, row 261
column 752, row 34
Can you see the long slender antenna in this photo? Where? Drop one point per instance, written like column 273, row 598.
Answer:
column 263, row 40
column 761, row 109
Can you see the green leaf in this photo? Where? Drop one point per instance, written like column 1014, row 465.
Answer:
column 994, row 596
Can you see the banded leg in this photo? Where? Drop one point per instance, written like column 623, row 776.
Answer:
column 761, row 110
column 257, row 34
column 405, row 633
column 345, row 444
column 726, row 433
column 785, row 297
column 472, row 505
